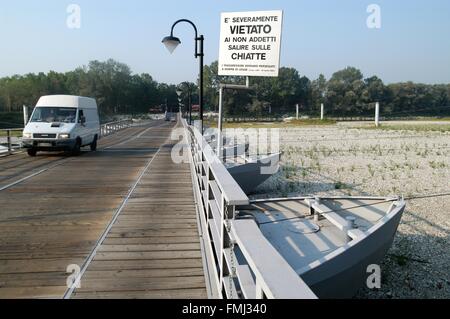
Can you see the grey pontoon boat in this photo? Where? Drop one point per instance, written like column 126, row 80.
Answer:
column 249, row 171
column 329, row 242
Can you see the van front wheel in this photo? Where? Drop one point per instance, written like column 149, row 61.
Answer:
column 32, row 152
column 94, row 145
column 76, row 150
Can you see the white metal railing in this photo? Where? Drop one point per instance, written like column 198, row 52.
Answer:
column 9, row 145
column 112, row 127
column 240, row 262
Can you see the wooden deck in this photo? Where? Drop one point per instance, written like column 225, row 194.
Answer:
column 58, row 216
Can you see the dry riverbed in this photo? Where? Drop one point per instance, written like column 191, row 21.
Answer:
column 348, row 160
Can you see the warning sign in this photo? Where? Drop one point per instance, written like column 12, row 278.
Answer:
column 250, row 43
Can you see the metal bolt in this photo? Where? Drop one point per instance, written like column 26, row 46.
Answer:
column 351, row 221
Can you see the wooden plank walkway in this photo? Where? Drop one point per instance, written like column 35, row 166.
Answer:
column 56, row 218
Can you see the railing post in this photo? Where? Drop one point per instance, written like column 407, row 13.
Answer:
column 8, row 134
column 259, row 291
column 222, row 208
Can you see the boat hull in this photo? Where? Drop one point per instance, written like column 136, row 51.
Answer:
column 343, row 274
column 252, row 174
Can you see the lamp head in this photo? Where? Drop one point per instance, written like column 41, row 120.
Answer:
column 171, row 43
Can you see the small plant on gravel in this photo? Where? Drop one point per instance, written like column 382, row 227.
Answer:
column 437, row 165
column 291, row 187
column 371, row 170
column 289, row 171
column 304, row 173
column 317, row 166
column 339, row 185
column 401, row 260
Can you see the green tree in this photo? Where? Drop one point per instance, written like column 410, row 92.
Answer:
column 345, row 88
column 318, row 91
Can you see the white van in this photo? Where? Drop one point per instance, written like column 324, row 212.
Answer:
column 62, row 123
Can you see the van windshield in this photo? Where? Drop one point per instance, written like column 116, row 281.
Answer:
column 54, row 114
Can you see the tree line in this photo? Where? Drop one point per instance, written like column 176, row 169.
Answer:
column 346, row 93
column 118, row 91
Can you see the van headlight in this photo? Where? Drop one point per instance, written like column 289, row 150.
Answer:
column 64, row 136
column 27, row 135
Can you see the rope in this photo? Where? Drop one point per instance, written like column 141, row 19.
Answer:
column 427, row 196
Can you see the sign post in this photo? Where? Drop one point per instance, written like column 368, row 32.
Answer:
column 25, row 115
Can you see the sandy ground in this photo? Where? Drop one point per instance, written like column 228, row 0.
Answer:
column 344, row 160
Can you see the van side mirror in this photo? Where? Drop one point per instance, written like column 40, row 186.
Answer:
column 82, row 119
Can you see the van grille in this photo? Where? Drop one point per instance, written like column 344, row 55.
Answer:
column 43, row 135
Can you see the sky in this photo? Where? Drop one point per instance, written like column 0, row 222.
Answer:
column 321, row 36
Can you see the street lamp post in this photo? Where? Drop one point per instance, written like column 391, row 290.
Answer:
column 171, row 44
column 189, row 108
column 180, row 93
